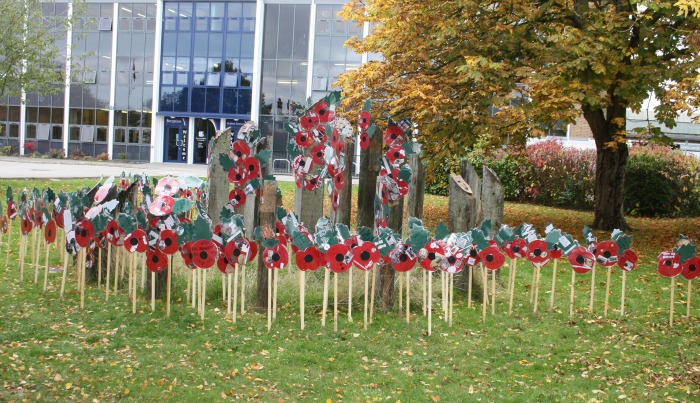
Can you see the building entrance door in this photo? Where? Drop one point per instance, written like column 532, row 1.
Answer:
column 175, row 140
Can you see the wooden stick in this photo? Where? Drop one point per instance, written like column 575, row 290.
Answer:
column 622, row 298
column 119, row 259
column 269, row 299
column 366, row 295
column 35, row 258
column 82, row 263
column 425, row 293
column 485, row 293
column 430, row 304
column 109, row 266
column 444, row 294
column 687, row 303
column 46, row 268
column 65, row 273
column 227, row 280
column 571, row 299
column 335, row 301
column 514, row 267
column 153, row 291
column 195, row 274
column 469, row 289
column 22, row 253
column 143, row 271
column 224, row 290
column 350, row 294
column 275, row 280
column 408, row 297
column 302, row 302
column 235, row 292
column 538, row 271
column 590, row 306
column 493, row 292
column 326, row 285
column 401, row 295
column 243, row 290
column 673, row 294
column 510, row 274
column 532, row 285
column 607, row 292
column 132, row 271
column 169, row 284
column 188, row 292
column 452, row 296
column 204, row 291
column 99, row 267
column 9, row 240
column 554, row 284
column 374, row 285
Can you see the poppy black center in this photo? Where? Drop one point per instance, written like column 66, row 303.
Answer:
column 489, row 258
column 339, row 257
column 537, row 252
column 155, row 259
column 431, row 255
column 516, row 249
column 251, row 167
column 203, row 255
column 275, row 257
column 667, row 262
column 580, row 259
column 168, row 241
column 607, row 254
column 403, row 257
column 303, row 138
column 451, row 260
column 472, row 253
column 50, row 233
column 236, row 252
column 111, row 231
column 364, row 255
column 134, row 241
column 238, row 176
column 692, row 267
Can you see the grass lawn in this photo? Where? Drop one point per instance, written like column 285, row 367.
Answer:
column 50, row 349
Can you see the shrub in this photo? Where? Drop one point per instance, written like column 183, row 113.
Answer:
column 56, row 153
column 8, row 150
column 77, row 154
column 29, row 147
column 102, row 157
column 123, row 155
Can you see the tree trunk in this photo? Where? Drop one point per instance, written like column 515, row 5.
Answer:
column 267, row 217
column 610, row 167
column 217, row 178
column 385, row 280
column 343, row 214
column 367, row 189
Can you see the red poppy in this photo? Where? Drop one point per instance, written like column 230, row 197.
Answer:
column 162, row 205
column 240, row 150
column 319, row 134
column 669, row 264
column 204, row 253
column 364, row 140
column 318, row 153
column 168, row 241
column 364, row 120
column 11, row 210
column 472, row 255
column 236, row 197
column 335, row 200
column 516, row 248
column 691, row 268
column 581, row 260
column 537, row 252
column 431, row 251
column 58, row 216
column 113, row 233
column 365, row 255
column 276, row 257
column 124, row 183
column 237, row 175
column 606, row 253
column 325, row 114
column 3, row 225
column 309, row 120
column 492, row 257
column 50, row 232
column 84, row 232
column 310, row 259
column 403, row 258
column 217, row 237
column 167, row 186
column 26, row 225
column 339, row 258
column 102, row 192
column 393, row 136
column 403, row 187
column 186, row 253
column 454, row 260
column 313, row 183
column 628, row 260
column 339, row 180
column 156, row 260
column 395, row 153
column 338, row 146
column 252, row 167
column 136, row 241
column 223, row 264
column 555, row 252
column 241, row 250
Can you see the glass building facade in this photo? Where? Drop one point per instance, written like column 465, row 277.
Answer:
column 159, row 78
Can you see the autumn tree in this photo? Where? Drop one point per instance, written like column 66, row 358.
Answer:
column 496, row 73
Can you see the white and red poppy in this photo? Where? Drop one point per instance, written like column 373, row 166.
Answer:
column 669, row 264
column 364, row 120
column 186, row 253
column 581, row 260
column 364, row 140
column 236, row 197
column 3, row 224
column 310, row 259
column 492, row 257
column 320, row 134
column 313, row 183
column 252, row 167
column 26, row 225
column 168, row 186
column 606, row 253
column 113, row 233
column 240, row 150
column 124, row 183
column 84, row 232
column 204, row 253
column 691, row 268
column 471, row 256
column 58, row 216
column 454, row 260
column 538, row 254
column 11, row 210
column 339, row 180
column 516, row 248
column 365, row 255
column 276, row 257
column 628, row 260
column 395, row 153
column 161, row 205
column 136, row 241
column 393, row 135
column 50, row 232
column 403, row 258
column 241, row 250
column 318, row 153
column 237, row 175
column 325, row 114
column 339, row 258
column 223, row 264
column 168, row 241
column 156, row 260
column 309, row 120
column 430, row 253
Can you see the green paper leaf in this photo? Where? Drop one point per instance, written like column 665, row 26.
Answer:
column 300, row 240
column 257, row 233
column 686, row 251
column 99, row 222
column 405, row 172
column 293, row 150
column 479, row 239
column 226, row 162
column 371, row 129
column 201, row 229
column 567, row 243
column 409, row 147
column 441, row 231
column 505, row 234
column 226, row 214
column 325, row 234
column 623, row 242
column 182, row 205
column 290, row 128
column 486, row 227
column 291, row 223
column 270, row 242
column 552, row 238
column 9, row 194
column 588, row 235
column 365, row 234
column 419, row 236
column 281, row 213
column 386, row 240
column 127, row 222
column 367, row 106
column 414, row 221
column 49, row 196
column 141, row 218
column 184, row 232
column 62, row 199
column 527, row 232
column 343, row 231
column 146, row 190
column 264, row 157
column 154, row 182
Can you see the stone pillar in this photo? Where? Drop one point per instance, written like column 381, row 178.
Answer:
column 343, row 214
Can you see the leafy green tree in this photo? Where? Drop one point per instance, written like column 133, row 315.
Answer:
column 495, row 72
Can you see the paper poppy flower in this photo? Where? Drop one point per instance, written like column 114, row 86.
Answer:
column 628, row 260
column 167, row 241
column 11, row 210
column 338, row 147
column 161, row 205
column 364, row 140
column 204, row 253
column 26, row 225
column 318, row 153
column 403, row 258
column 222, row 263
column 101, row 193
column 217, row 237
column 365, row 255
column 403, row 187
column 313, row 183
column 237, row 175
column 50, row 232
column 319, row 134
column 352, row 242
column 236, row 197
column 301, row 165
column 84, row 232
column 186, row 253
column 113, row 233
column 339, row 258
column 395, row 153
column 606, row 253
column 393, row 135
column 364, row 120
column 156, row 260
column 325, row 114
column 691, row 268
column 516, row 248
column 339, row 180
column 124, row 183
column 581, row 260
column 252, row 167
column 241, row 251
column 471, row 255
column 276, row 257
column 492, row 257
column 3, row 225
column 167, row 186
column 58, row 216
column 310, row 259
column 135, row 242
column 239, row 150
column 335, row 138
column 430, row 253
column 555, row 252
column 186, row 194
column 669, row 264
column 454, row 260
column 309, row 120
column 537, row 252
